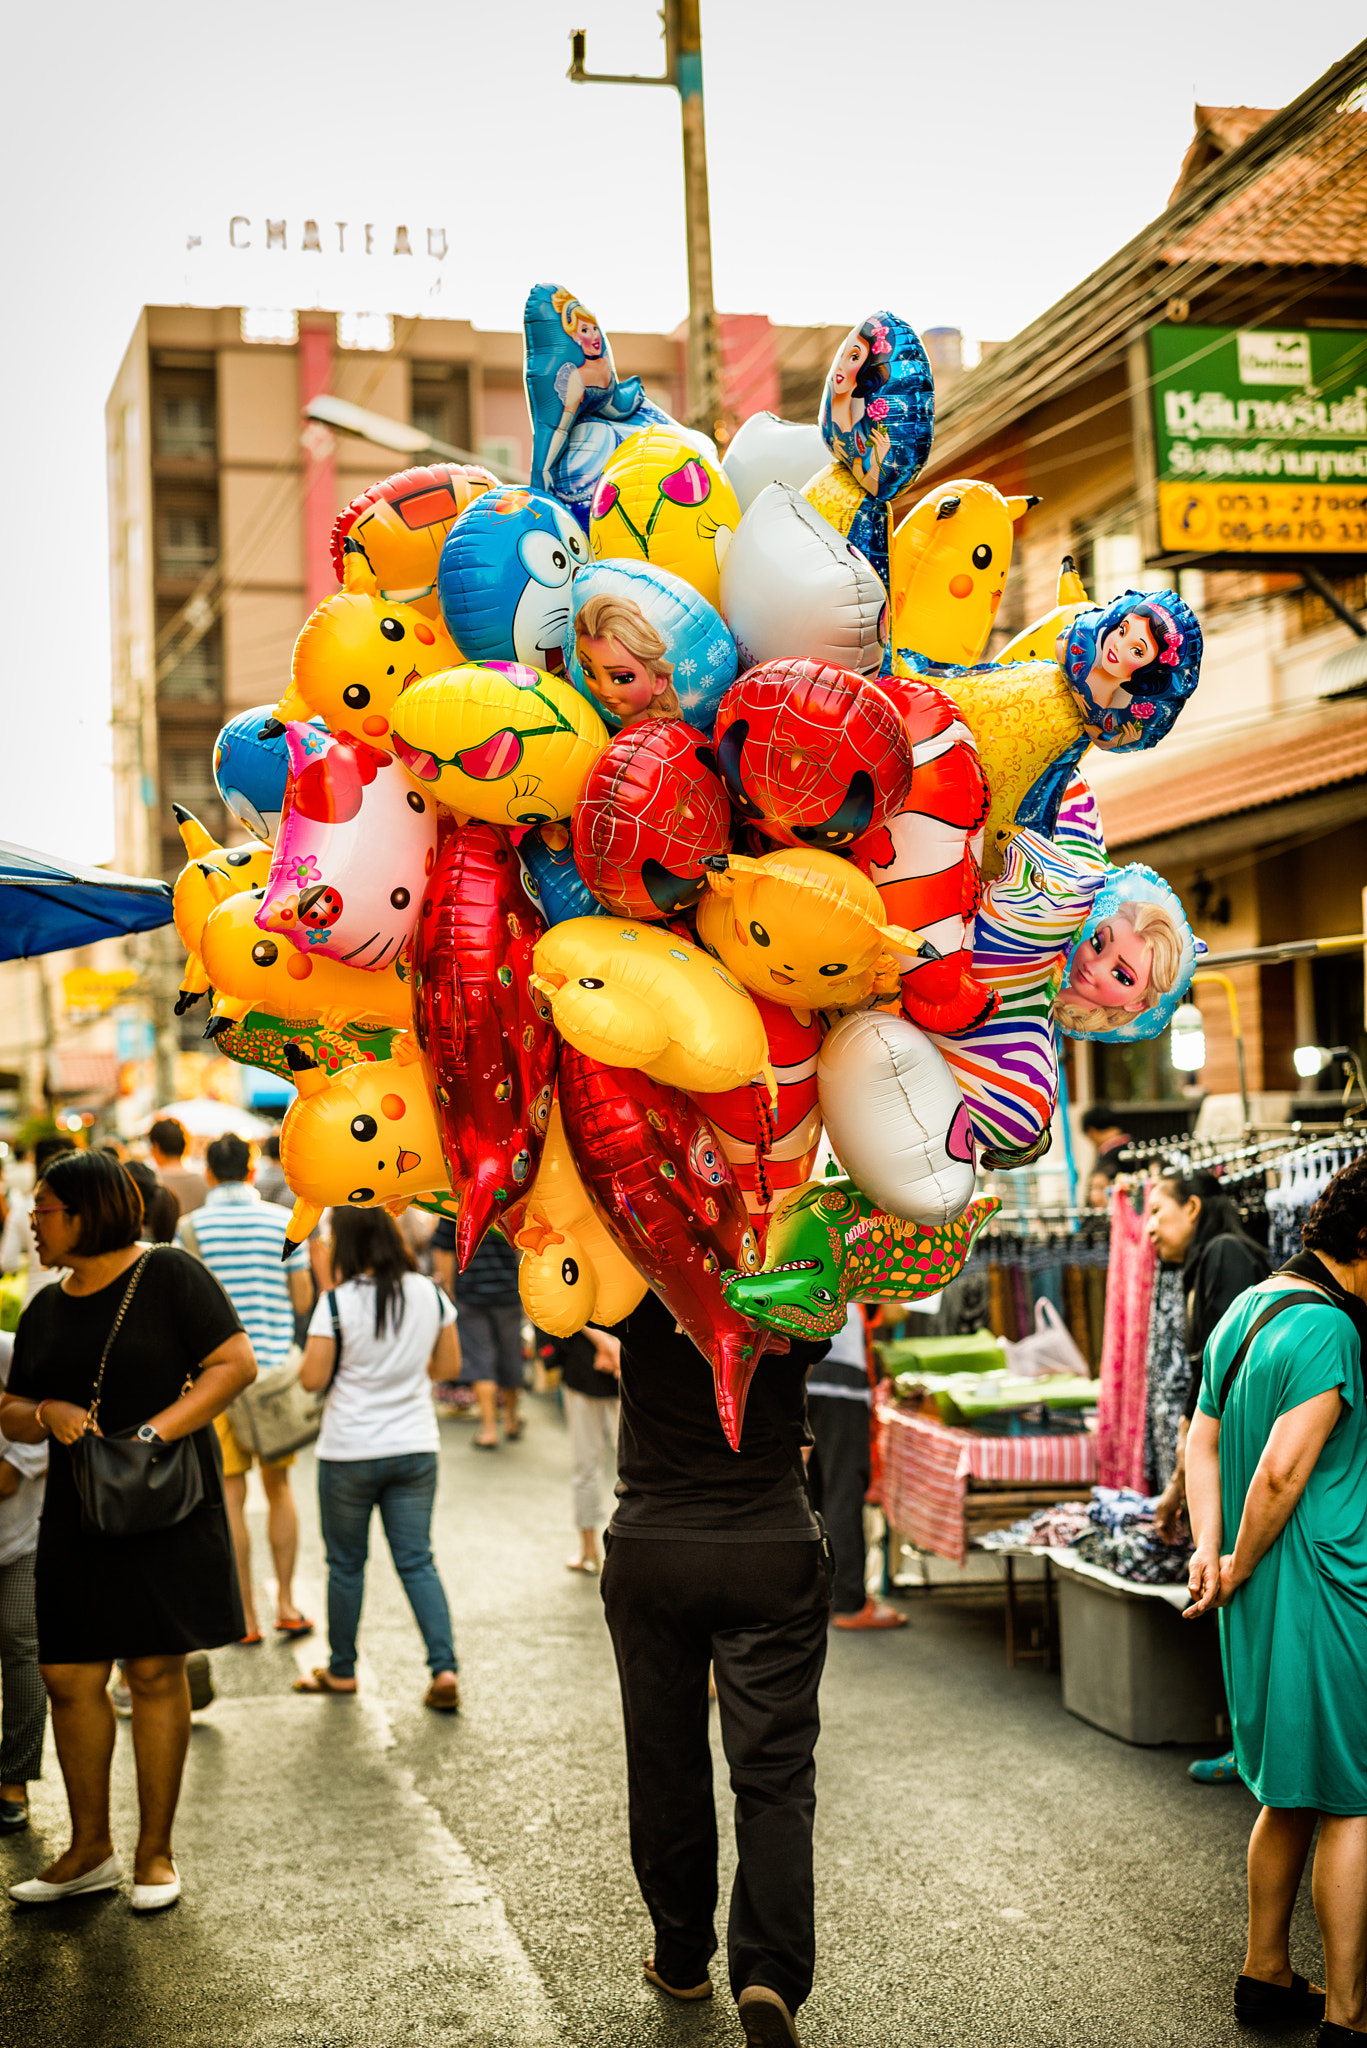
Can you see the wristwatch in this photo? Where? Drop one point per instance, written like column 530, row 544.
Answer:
column 148, row 1435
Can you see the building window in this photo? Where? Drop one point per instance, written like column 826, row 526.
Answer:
column 269, row 323
column 365, row 330
column 195, row 677
column 185, row 428
column 186, row 544
column 441, row 402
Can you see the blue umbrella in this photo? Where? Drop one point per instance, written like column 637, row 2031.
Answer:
column 47, row 905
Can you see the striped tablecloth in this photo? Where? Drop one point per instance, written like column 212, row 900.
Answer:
column 926, row 1467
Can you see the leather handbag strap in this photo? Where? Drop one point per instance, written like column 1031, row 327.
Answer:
column 1301, row 1300
column 336, row 1329
column 93, row 1412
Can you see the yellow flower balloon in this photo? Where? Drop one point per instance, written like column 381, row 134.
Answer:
column 499, row 741
column 660, row 501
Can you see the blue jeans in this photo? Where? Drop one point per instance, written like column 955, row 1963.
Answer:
column 403, row 1489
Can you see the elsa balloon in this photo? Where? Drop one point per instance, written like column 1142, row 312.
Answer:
column 1131, row 666
column 581, row 410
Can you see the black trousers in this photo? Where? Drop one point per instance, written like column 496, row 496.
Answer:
column 758, row 1612
column 838, row 1475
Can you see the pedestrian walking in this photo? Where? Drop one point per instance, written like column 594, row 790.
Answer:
column 377, row 1342
column 590, row 1369
column 18, row 1250
column 839, row 1410
column 145, row 1338
column 160, row 1208
column 270, row 1182
column 489, row 1311
column 23, row 1701
column 1277, row 1454
column 714, row 1556
column 168, row 1141
column 240, row 1238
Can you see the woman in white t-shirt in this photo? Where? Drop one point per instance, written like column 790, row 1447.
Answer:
column 377, row 1342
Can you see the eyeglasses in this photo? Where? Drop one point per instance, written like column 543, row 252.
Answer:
column 53, row 1209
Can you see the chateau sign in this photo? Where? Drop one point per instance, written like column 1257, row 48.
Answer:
column 335, row 237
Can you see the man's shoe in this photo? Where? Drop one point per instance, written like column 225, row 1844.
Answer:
column 36, row 1891
column 693, row 1991
column 873, row 1614
column 13, row 1816
column 201, row 1679
column 1215, row 1770
column 766, row 2019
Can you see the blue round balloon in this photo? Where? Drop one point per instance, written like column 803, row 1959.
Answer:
column 1128, row 888
column 1127, row 708
column 698, row 641
column 505, row 574
column 251, row 770
column 551, row 878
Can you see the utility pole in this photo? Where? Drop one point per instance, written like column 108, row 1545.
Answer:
column 683, row 71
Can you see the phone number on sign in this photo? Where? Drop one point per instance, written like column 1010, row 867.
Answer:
column 1345, row 532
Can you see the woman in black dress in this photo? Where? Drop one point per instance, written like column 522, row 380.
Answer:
column 179, row 1358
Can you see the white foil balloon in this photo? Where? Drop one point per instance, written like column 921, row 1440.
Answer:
column 895, row 1117
column 768, row 450
column 792, row 585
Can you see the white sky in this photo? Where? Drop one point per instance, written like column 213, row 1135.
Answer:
column 962, row 164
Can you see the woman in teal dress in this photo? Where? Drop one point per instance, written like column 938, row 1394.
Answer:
column 1278, row 1453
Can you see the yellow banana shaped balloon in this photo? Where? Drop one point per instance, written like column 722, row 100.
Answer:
column 572, row 1272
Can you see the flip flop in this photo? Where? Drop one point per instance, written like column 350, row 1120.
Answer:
column 582, row 1564
column 320, row 1679
column 294, row 1629
column 480, row 1444
column 510, row 1436
column 251, row 1642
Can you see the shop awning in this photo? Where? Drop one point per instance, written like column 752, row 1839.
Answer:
column 1276, row 762
column 47, row 905
column 1343, row 671
column 83, row 1073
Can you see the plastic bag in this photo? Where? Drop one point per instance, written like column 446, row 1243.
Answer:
column 1050, row 1351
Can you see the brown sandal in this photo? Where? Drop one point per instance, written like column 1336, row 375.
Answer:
column 321, row 1680
column 443, row 1694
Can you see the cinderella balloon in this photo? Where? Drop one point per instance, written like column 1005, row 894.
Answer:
column 1132, row 666
column 697, row 642
column 1136, row 905
column 506, row 569
column 251, row 772
column 581, row 410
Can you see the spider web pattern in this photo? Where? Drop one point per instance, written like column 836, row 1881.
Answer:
column 648, row 797
column 812, row 727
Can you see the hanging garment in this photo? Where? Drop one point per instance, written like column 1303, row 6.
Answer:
column 1169, row 1375
column 1075, row 1310
column 1129, row 1286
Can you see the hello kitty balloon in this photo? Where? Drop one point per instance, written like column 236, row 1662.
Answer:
column 356, row 845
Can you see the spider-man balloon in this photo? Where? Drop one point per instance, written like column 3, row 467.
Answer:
column 652, row 811
column 486, row 1031
column 815, row 755
column 661, row 1183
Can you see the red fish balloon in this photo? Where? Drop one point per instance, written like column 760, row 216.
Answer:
column 772, row 1148
column 814, row 754
column 661, row 1183
column 485, row 1030
column 652, row 811
column 925, row 860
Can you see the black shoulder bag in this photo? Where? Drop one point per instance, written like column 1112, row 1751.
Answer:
column 127, row 1488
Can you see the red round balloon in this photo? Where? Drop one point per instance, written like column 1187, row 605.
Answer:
column 485, row 1029
column 659, row 1179
column 652, row 810
column 815, row 755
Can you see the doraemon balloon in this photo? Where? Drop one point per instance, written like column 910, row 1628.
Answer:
column 698, row 642
column 581, row 411
column 251, row 771
column 1136, row 905
column 1132, row 665
column 505, row 576
column 877, row 417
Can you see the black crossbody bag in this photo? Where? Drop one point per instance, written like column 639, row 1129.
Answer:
column 127, row 1488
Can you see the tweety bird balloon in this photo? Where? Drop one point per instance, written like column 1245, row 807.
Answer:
column 389, row 540
column 242, row 867
column 950, row 556
column 632, row 995
column 499, row 741
column 803, row 928
column 573, row 1271
column 660, row 501
column 363, row 1139
column 354, row 658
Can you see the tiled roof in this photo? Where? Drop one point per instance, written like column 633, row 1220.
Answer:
column 1218, row 130
column 1284, row 758
column 1309, row 207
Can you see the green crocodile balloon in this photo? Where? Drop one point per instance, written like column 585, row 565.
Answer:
column 829, row 1245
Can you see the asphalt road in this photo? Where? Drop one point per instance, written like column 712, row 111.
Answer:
column 369, row 1875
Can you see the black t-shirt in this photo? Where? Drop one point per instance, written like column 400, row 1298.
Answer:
column 1215, row 1278
column 575, row 1357
column 490, row 1279
column 677, row 1475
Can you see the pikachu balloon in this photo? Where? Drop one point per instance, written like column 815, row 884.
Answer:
column 240, row 867
column 254, row 970
column 949, row 559
column 356, row 656
column 660, row 501
column 363, row 1139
